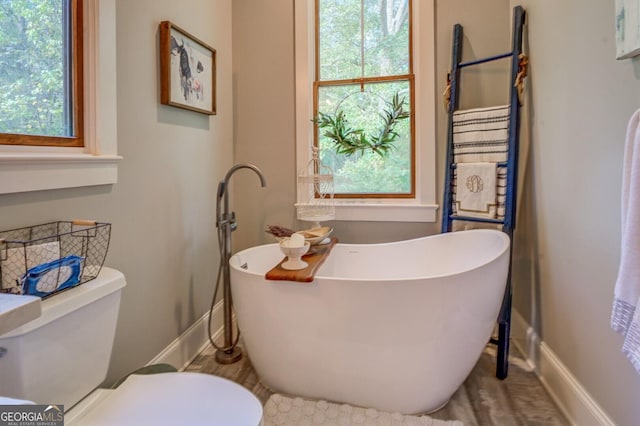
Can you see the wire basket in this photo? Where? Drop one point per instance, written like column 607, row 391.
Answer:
column 45, row 259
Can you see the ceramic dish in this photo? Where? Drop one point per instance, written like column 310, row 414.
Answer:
column 294, row 255
column 317, row 235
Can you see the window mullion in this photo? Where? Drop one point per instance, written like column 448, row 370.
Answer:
column 77, row 69
column 67, row 77
column 362, row 44
column 365, row 80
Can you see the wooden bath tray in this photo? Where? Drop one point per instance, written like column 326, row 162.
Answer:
column 315, row 257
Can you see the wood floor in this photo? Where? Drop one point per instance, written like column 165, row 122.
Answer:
column 482, row 400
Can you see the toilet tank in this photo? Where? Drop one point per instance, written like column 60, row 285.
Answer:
column 63, row 355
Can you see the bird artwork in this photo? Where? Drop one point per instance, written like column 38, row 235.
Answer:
column 190, row 84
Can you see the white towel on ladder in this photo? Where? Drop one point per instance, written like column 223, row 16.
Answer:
column 625, row 317
column 476, row 190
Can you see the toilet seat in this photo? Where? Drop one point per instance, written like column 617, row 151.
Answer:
column 176, row 399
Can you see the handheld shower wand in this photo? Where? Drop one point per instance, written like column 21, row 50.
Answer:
column 226, row 224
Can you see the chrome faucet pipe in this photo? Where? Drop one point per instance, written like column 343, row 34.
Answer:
column 226, row 223
column 232, row 170
column 223, row 192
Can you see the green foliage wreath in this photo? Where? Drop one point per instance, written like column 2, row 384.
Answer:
column 348, row 141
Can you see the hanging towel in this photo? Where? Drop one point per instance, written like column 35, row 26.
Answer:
column 625, row 318
column 501, row 192
column 481, row 134
column 476, row 189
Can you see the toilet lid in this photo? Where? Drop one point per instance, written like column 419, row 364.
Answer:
column 177, row 399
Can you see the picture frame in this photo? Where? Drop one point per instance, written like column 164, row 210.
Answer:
column 187, row 70
column 627, row 28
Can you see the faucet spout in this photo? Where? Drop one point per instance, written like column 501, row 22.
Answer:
column 237, row 167
column 223, row 192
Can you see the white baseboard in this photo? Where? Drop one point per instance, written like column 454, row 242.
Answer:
column 576, row 402
column 569, row 394
column 183, row 350
column 525, row 339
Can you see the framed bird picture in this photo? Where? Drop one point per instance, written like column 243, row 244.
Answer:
column 187, row 70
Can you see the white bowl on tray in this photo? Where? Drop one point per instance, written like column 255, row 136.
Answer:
column 294, row 248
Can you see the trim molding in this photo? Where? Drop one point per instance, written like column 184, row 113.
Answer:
column 183, row 350
column 525, row 339
column 564, row 388
column 568, row 393
column 385, row 212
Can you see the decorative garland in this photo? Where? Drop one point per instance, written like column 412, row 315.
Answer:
column 348, row 141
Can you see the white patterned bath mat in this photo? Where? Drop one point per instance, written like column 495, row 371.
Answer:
column 281, row 410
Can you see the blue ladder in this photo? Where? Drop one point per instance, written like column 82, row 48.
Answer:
column 518, row 65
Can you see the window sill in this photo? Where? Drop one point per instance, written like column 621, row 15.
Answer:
column 35, row 172
column 385, row 211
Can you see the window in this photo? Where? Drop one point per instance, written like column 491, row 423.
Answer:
column 70, row 138
column 353, row 57
column 41, row 83
column 364, row 64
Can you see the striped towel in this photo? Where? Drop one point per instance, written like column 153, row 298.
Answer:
column 481, row 135
column 501, row 193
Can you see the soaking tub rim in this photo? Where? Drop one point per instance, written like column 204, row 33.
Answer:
column 506, row 240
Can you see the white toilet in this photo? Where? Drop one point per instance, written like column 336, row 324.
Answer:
column 62, row 356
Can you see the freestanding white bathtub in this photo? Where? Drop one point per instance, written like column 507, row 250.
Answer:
column 394, row 326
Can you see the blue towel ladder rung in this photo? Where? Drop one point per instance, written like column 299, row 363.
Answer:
column 509, row 220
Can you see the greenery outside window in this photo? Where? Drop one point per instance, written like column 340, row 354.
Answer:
column 363, row 60
column 391, row 51
column 41, row 83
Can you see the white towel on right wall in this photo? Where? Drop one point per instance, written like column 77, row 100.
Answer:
column 476, row 189
column 625, row 316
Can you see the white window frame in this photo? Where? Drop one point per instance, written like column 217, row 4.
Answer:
column 33, row 168
column 423, row 207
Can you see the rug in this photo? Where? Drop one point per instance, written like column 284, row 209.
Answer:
column 282, row 410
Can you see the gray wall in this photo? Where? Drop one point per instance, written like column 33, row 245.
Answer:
column 579, row 101
column 567, row 251
column 162, row 208
column 264, row 127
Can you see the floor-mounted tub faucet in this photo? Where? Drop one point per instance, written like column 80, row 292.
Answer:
column 226, row 224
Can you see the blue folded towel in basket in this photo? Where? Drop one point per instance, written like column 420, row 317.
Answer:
column 47, row 278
